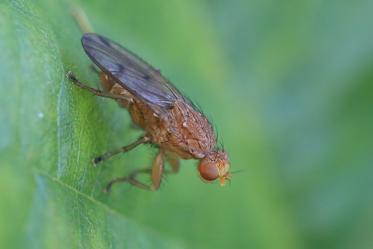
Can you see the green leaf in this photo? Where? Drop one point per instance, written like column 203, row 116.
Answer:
column 62, row 217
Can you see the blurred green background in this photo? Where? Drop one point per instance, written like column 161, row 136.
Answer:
column 288, row 85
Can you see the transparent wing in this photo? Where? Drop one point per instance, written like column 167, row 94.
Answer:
column 134, row 74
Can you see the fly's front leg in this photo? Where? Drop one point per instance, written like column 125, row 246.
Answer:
column 124, row 149
column 156, row 172
column 95, row 91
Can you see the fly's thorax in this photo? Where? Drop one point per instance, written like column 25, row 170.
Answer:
column 215, row 165
column 191, row 130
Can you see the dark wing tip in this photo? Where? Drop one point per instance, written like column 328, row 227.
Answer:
column 98, row 48
column 86, row 38
column 92, row 39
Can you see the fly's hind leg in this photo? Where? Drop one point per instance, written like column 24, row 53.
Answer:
column 156, row 172
column 71, row 76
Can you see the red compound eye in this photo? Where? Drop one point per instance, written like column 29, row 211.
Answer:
column 208, row 171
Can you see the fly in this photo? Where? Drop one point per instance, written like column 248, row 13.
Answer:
column 169, row 120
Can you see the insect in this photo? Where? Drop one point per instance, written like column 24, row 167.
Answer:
column 170, row 120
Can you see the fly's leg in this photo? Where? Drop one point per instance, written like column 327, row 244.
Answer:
column 124, row 149
column 155, row 171
column 174, row 162
column 131, row 178
column 94, row 91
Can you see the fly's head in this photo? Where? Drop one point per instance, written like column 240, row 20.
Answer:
column 215, row 165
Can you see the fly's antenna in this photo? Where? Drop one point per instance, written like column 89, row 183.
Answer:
column 228, row 179
column 81, row 19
